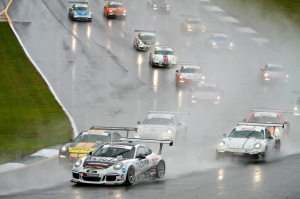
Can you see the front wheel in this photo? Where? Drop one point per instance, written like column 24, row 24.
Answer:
column 130, row 178
column 161, row 169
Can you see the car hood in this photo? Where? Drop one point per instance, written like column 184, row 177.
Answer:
column 161, row 57
column 82, row 12
column 99, row 162
column 240, row 143
column 153, row 129
column 223, row 43
column 83, row 147
column 192, row 76
column 276, row 74
column 206, row 95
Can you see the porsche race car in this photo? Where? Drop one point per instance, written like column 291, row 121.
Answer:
column 189, row 74
column 219, row 41
column 145, row 40
column 80, row 11
column 114, row 9
column 162, row 125
column 89, row 141
column 158, row 5
column 163, row 57
column 120, row 163
column 247, row 140
column 296, row 106
column 206, row 92
column 192, row 24
column 274, row 73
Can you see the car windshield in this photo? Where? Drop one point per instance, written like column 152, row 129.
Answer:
column 93, row 138
column 206, row 89
column 265, row 119
column 158, row 121
column 164, row 52
column 126, row 152
column 251, row 133
column 279, row 69
column 81, row 8
column 220, row 38
column 160, row 1
column 147, row 38
column 194, row 21
column 190, row 70
column 116, row 6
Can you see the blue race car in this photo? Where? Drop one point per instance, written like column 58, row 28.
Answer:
column 80, row 11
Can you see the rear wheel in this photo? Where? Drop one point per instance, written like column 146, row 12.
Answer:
column 130, row 178
column 161, row 169
column 277, row 146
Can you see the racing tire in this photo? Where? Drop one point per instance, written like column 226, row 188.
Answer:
column 130, row 177
column 265, row 154
column 277, row 146
column 160, row 169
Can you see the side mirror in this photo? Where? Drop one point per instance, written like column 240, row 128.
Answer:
column 104, row 7
column 270, row 138
column 179, row 123
column 224, row 135
column 244, row 120
column 91, row 153
column 138, row 122
column 261, row 69
column 71, row 140
column 177, row 71
column 141, row 156
column 89, row 9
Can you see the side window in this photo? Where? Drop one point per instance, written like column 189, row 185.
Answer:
column 116, row 136
column 148, row 151
column 268, row 134
column 141, row 150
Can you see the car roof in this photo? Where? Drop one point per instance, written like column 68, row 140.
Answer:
column 191, row 66
column 147, row 34
column 160, row 115
column 80, row 5
column 266, row 114
column 249, row 128
column 220, row 35
column 275, row 65
column 121, row 144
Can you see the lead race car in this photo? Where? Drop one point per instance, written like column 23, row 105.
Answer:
column 120, row 163
column 162, row 125
column 80, row 11
column 163, row 56
column 249, row 140
column 145, row 39
column 88, row 141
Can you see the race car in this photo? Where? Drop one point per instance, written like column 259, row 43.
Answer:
column 114, row 9
column 89, row 141
column 162, row 125
column 296, row 106
column 219, row 41
column 158, row 5
column 271, row 116
column 189, row 74
column 192, row 24
column 120, row 163
column 145, row 40
column 80, row 11
column 247, row 140
column 163, row 56
column 273, row 73
column 206, row 92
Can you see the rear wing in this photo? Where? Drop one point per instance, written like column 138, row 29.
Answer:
column 79, row 2
column 191, row 16
column 127, row 129
column 170, row 112
column 260, row 124
column 190, row 64
column 160, row 142
column 151, row 31
column 270, row 110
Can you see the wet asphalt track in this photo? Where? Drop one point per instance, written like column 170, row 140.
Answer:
column 102, row 80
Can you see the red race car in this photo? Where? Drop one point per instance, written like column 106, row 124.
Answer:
column 115, row 9
column 189, row 74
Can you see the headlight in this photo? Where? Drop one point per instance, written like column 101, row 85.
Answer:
column 156, row 43
column 169, row 131
column 287, row 76
column 193, row 96
column 154, row 5
column 180, row 76
column 174, row 58
column 219, row 97
column 77, row 163
column 124, row 11
column 156, row 58
column 189, row 26
column 138, row 130
column 295, row 108
column 75, row 13
column 257, row 145
column 168, row 6
column 90, row 14
column 221, row 143
column 231, row 44
column 110, row 10
column 203, row 77
column 118, row 166
column 277, row 131
column 64, row 148
column 214, row 43
column 266, row 74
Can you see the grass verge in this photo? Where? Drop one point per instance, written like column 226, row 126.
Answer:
column 30, row 117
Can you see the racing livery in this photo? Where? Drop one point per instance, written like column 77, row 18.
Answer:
column 162, row 125
column 114, row 9
column 145, row 40
column 158, row 5
column 271, row 116
column 192, row 24
column 189, row 74
column 219, row 41
column 80, row 11
column 206, row 92
column 249, row 141
column 163, row 57
column 89, row 141
column 119, row 163
column 273, row 73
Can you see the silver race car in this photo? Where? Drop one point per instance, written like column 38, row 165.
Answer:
column 145, row 40
column 219, row 41
column 249, row 140
column 163, row 56
column 80, row 11
column 120, row 163
column 206, row 92
column 162, row 125
column 274, row 73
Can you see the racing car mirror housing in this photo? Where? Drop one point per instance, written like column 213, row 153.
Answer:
column 270, row 138
column 138, row 122
column 141, row 156
column 224, row 135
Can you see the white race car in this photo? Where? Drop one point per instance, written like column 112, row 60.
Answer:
column 163, row 57
column 119, row 163
column 249, row 140
column 145, row 40
column 162, row 125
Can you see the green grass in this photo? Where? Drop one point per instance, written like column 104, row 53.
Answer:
column 30, row 117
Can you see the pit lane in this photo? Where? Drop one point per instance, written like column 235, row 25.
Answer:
column 102, row 80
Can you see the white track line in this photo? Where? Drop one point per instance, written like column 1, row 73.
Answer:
column 246, row 30
column 260, row 40
column 229, row 19
column 48, row 153
column 213, row 8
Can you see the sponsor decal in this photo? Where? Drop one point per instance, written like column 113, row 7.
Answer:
column 123, row 170
column 122, row 176
column 155, row 159
column 99, row 164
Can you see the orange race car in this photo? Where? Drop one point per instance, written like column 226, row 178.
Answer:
column 115, row 9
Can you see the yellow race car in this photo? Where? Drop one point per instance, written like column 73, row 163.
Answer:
column 192, row 24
